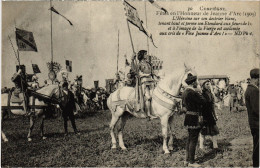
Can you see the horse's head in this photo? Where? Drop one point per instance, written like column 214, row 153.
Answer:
column 172, row 83
column 188, row 70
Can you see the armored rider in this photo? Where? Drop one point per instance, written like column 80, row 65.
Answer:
column 143, row 69
column 21, row 88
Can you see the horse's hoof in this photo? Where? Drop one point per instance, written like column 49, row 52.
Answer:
column 124, row 149
column 5, row 140
column 29, row 139
column 171, row 148
column 113, row 147
column 44, row 137
column 167, row 152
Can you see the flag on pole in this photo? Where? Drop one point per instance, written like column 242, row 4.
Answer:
column 54, row 66
column 35, row 68
column 157, row 6
column 55, row 11
column 133, row 17
column 25, row 40
column 69, row 65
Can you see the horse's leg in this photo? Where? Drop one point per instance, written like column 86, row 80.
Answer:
column 120, row 132
column 172, row 133
column 31, row 128
column 202, row 139
column 4, row 137
column 3, row 134
column 164, row 123
column 112, row 127
column 42, row 127
column 214, row 140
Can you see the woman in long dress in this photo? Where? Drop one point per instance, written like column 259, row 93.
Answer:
column 209, row 116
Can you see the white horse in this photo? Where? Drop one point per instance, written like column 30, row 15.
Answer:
column 163, row 103
column 50, row 90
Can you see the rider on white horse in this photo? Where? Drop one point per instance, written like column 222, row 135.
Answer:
column 20, row 93
column 143, row 70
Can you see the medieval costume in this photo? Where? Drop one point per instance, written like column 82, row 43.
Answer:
column 192, row 101
column 143, row 70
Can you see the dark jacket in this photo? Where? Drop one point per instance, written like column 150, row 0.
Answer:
column 208, row 110
column 192, row 101
column 252, row 105
column 67, row 102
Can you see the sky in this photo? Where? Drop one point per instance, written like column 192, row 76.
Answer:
column 92, row 43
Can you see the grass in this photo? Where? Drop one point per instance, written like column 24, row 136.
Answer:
column 142, row 138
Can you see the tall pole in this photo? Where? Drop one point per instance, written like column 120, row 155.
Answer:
column 146, row 27
column 13, row 49
column 130, row 36
column 117, row 52
column 51, row 39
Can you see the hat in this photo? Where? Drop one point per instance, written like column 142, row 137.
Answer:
column 254, row 73
column 190, row 79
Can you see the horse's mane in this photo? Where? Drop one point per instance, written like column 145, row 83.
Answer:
column 170, row 82
column 48, row 90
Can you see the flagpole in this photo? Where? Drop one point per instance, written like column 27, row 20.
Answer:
column 51, row 39
column 146, row 27
column 13, row 48
column 130, row 36
column 117, row 52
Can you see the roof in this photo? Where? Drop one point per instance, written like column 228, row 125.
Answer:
column 213, row 77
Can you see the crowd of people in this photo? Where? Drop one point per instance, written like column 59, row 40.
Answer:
column 198, row 100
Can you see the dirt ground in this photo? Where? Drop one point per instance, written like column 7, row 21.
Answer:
column 142, row 138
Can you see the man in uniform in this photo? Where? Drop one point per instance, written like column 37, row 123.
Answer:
column 20, row 92
column 143, row 70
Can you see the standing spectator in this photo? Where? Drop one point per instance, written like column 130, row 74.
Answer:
column 233, row 97
column 252, row 105
column 209, row 116
column 192, row 100
column 67, row 107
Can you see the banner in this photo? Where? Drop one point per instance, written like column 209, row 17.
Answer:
column 54, row 66
column 69, row 65
column 35, row 68
column 25, row 40
column 55, row 11
column 157, row 6
column 133, row 17
column 156, row 62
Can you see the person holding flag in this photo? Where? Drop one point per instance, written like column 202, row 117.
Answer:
column 20, row 92
column 143, row 70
